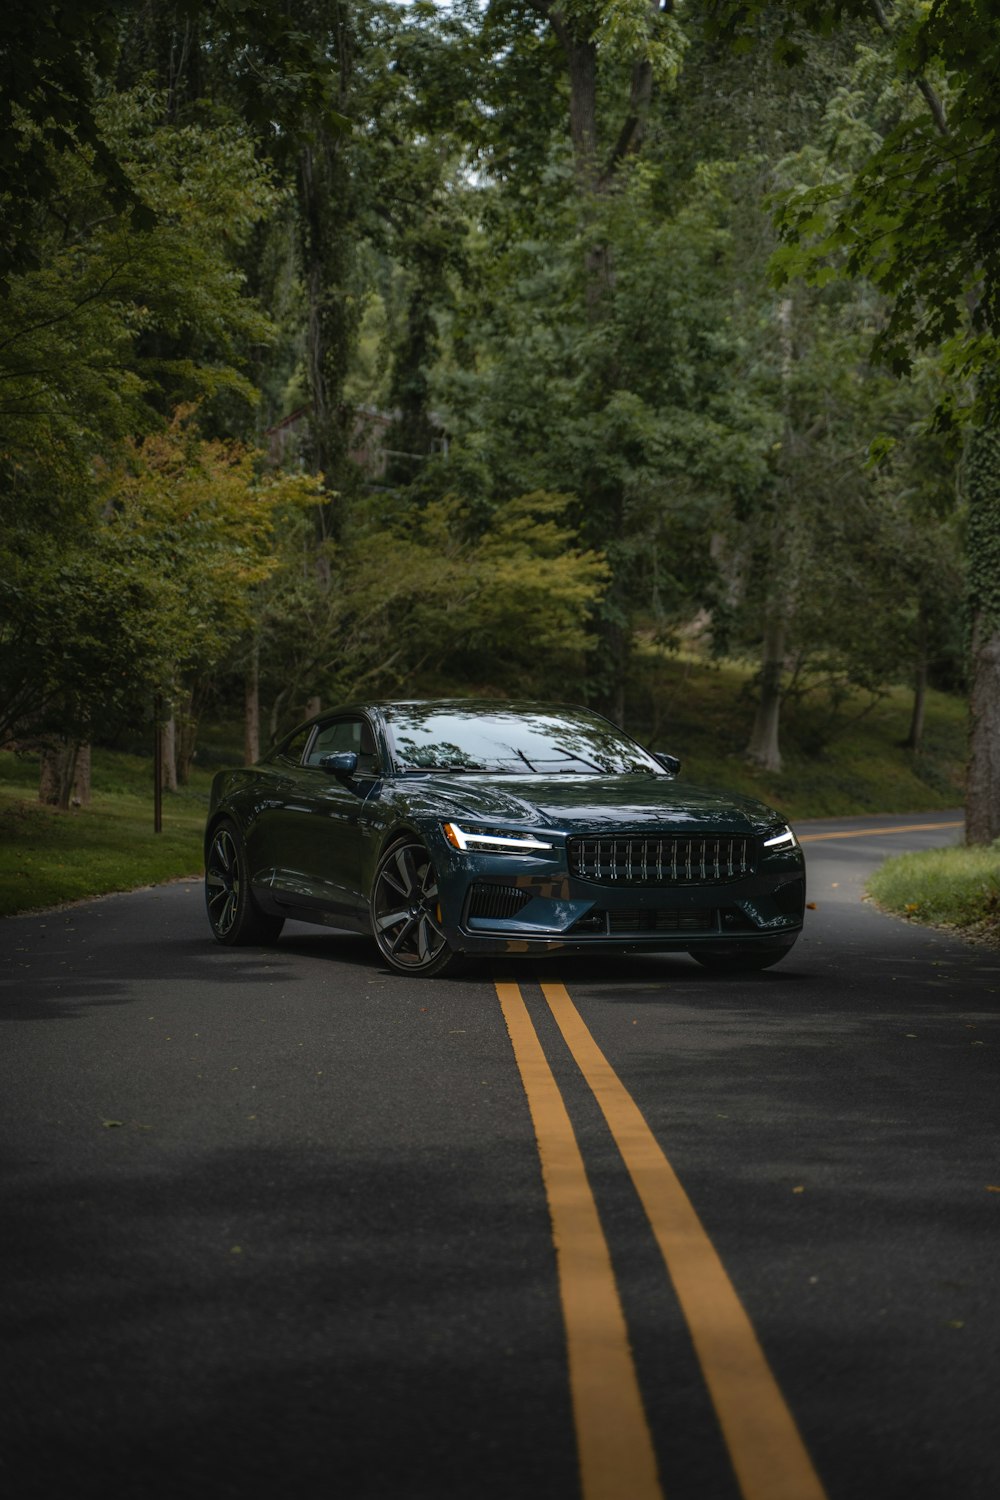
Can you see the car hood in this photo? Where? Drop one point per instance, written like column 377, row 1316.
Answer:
column 602, row 804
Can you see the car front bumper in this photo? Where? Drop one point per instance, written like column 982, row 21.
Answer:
column 521, row 905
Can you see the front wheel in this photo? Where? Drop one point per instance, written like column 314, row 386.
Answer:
column 740, row 963
column 406, row 912
column 233, row 915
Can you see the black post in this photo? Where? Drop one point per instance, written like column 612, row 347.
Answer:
column 157, row 764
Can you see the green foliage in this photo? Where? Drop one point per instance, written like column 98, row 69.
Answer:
column 629, row 30
column 207, row 504
column 417, row 598
column 153, row 584
column 916, row 212
column 633, row 414
column 636, row 431
column 118, row 321
column 77, row 628
column 50, row 56
column 56, row 61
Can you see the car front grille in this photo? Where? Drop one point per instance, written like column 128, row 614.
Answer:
column 631, row 860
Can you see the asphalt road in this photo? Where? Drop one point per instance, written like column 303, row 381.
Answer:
column 276, row 1224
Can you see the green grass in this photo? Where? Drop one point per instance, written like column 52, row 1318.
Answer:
column 957, row 888
column 49, row 857
column 698, row 710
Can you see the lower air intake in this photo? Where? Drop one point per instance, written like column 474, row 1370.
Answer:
column 626, row 923
column 496, row 901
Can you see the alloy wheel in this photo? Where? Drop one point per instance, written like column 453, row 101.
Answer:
column 405, row 911
column 222, row 883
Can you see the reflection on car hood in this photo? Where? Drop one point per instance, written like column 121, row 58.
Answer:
column 598, row 803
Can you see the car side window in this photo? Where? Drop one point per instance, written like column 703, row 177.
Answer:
column 346, row 734
column 290, row 754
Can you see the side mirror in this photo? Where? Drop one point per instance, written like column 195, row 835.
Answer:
column 340, row 763
column 668, row 762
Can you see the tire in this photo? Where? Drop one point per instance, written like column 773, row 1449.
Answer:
column 405, row 913
column 740, row 963
column 233, row 915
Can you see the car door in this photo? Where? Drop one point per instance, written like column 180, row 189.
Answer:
column 317, row 839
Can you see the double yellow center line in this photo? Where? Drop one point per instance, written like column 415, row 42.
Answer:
column 617, row 1458
column 863, row 833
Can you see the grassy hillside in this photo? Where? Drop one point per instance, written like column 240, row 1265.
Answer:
column 48, row 857
column 840, row 759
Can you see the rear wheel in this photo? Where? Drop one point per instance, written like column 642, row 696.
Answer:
column 234, row 916
column 736, row 963
column 406, row 912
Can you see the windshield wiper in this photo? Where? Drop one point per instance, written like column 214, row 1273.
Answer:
column 441, row 770
column 572, row 766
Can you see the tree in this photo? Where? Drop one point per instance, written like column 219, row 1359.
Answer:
column 58, row 59
column 918, row 219
column 115, row 325
column 423, row 596
column 216, row 513
column 644, row 43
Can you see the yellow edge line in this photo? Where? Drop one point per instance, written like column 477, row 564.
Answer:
column 860, row 833
column 613, row 1439
column 766, row 1450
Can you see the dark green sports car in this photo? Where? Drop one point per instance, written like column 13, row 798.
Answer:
column 465, row 827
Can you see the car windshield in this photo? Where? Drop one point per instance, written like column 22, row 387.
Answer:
column 523, row 742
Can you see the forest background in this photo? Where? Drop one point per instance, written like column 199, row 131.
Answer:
column 516, row 348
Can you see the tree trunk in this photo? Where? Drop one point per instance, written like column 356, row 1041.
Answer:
column 168, row 741
column 915, row 738
column 982, row 796
column 610, row 660
column 313, row 706
column 186, row 731
column 57, row 774
column 603, row 507
column 251, row 717
column 80, row 794
column 764, row 748
column 327, row 242
column 581, row 65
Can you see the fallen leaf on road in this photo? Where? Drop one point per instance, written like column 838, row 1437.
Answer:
column 112, row 1124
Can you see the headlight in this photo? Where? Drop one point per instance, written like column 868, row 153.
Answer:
column 491, row 840
column 784, row 839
